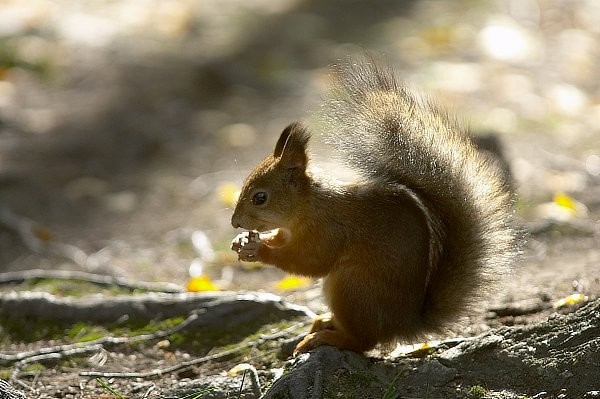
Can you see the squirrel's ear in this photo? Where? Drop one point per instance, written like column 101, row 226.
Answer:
column 291, row 146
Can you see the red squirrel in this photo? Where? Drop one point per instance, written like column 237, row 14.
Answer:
column 407, row 249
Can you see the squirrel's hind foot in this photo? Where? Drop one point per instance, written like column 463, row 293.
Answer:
column 325, row 331
column 322, row 322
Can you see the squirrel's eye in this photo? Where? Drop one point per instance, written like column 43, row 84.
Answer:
column 259, row 198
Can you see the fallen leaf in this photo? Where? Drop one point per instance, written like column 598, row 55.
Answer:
column 562, row 208
column 200, row 283
column 570, row 300
column 292, row 283
column 564, row 201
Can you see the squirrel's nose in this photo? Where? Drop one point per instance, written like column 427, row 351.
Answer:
column 234, row 222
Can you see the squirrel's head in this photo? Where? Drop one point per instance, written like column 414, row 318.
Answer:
column 277, row 188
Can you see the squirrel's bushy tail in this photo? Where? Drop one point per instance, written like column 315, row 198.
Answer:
column 392, row 135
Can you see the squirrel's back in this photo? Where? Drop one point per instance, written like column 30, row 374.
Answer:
column 390, row 135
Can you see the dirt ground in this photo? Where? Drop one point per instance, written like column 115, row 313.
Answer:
column 124, row 126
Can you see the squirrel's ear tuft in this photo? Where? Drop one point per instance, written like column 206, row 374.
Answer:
column 291, row 146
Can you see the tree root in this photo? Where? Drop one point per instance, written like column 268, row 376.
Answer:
column 223, row 309
column 98, row 279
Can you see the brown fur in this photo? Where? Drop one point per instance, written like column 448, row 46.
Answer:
column 404, row 252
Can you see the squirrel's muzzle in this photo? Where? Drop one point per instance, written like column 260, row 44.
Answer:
column 234, row 222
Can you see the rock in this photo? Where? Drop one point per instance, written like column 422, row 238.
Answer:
column 423, row 375
column 311, row 375
column 216, row 387
column 561, row 353
column 558, row 357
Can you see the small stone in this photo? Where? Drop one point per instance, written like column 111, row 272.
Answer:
column 163, row 344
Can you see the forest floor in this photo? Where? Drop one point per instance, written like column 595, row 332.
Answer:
column 126, row 126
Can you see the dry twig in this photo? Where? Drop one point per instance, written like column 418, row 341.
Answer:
column 231, row 308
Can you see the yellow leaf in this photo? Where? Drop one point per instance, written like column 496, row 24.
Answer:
column 200, row 283
column 563, row 200
column 292, row 283
column 228, row 194
column 426, row 349
column 570, row 300
column 415, row 350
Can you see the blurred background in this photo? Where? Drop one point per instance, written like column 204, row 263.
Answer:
column 126, row 126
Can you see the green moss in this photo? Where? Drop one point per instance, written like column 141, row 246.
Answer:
column 83, row 332
column 5, row 374
column 61, row 287
column 29, row 330
column 34, row 368
column 140, row 328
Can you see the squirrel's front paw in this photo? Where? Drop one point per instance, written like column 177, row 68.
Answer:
column 247, row 244
column 249, row 252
